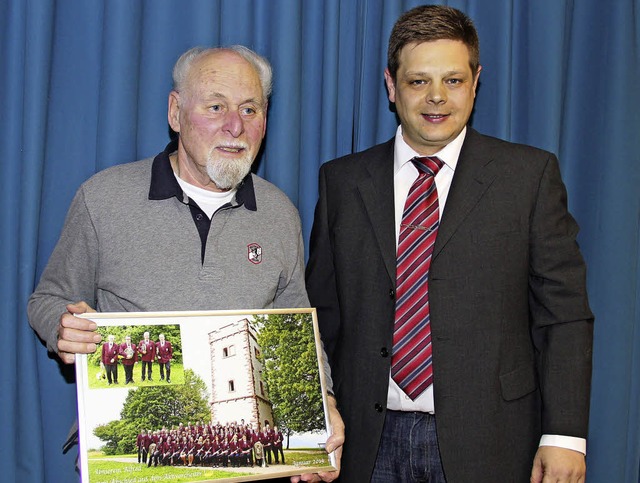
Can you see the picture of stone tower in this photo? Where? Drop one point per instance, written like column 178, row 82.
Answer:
column 237, row 389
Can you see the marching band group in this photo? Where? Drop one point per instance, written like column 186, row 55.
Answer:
column 146, row 351
column 212, row 445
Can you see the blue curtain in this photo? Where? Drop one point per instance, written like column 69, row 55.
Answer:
column 84, row 86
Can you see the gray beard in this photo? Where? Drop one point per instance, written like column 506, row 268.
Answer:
column 227, row 174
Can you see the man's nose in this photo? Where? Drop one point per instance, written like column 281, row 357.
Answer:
column 437, row 93
column 233, row 123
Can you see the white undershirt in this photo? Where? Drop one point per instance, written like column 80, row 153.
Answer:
column 208, row 201
column 404, row 174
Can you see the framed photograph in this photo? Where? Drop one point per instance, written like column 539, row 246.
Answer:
column 203, row 396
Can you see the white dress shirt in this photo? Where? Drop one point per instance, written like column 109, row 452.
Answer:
column 404, row 174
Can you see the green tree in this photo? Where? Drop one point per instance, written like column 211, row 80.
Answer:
column 154, row 407
column 288, row 354
column 120, row 437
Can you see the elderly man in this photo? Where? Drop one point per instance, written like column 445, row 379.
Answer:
column 191, row 228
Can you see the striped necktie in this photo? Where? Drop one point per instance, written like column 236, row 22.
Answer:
column 411, row 359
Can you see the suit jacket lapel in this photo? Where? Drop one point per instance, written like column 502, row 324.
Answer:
column 377, row 194
column 474, row 174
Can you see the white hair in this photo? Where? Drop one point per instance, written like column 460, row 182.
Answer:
column 259, row 63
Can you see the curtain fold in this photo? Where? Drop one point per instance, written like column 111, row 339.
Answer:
column 85, row 86
column 602, row 147
column 22, row 145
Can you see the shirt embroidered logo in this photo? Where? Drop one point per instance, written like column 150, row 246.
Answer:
column 254, row 253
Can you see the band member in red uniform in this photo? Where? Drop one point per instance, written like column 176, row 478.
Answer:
column 246, row 451
column 205, row 452
column 199, row 451
column 164, row 353
column 184, row 448
column 234, row 451
column 191, row 450
column 148, row 439
column 253, row 435
column 109, row 358
column 278, row 439
column 224, row 452
column 155, row 452
column 141, row 445
column 266, row 438
column 129, row 355
column 167, row 451
column 176, row 449
column 215, row 451
column 147, row 351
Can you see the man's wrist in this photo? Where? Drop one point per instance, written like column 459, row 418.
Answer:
column 332, row 400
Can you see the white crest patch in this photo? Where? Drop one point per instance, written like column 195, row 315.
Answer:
column 254, row 253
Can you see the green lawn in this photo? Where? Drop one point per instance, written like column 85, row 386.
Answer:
column 103, row 470
column 107, row 471
column 177, row 376
column 303, row 457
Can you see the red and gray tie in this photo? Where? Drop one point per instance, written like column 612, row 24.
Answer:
column 411, row 365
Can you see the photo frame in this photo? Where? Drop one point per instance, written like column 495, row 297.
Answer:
column 229, row 396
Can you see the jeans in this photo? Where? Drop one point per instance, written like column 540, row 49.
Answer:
column 408, row 450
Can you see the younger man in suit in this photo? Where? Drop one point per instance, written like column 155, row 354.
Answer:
column 449, row 286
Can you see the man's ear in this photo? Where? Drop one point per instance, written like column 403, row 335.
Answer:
column 173, row 111
column 475, row 80
column 391, row 85
column 264, row 128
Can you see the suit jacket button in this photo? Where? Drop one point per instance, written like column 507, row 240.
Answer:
column 378, row 407
column 384, row 352
column 392, row 293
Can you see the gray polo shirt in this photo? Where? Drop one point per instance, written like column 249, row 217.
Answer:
column 132, row 241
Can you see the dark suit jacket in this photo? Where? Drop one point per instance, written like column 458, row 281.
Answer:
column 110, row 354
column 165, row 353
column 511, row 325
column 128, row 361
column 150, row 354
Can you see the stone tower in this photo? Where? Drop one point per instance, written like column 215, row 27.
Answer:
column 237, row 389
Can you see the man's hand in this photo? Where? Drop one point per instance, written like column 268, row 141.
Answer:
column 75, row 335
column 334, row 444
column 558, row 465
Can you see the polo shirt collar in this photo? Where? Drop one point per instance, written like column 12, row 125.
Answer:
column 164, row 184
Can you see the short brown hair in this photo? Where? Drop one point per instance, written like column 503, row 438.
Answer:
column 429, row 23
